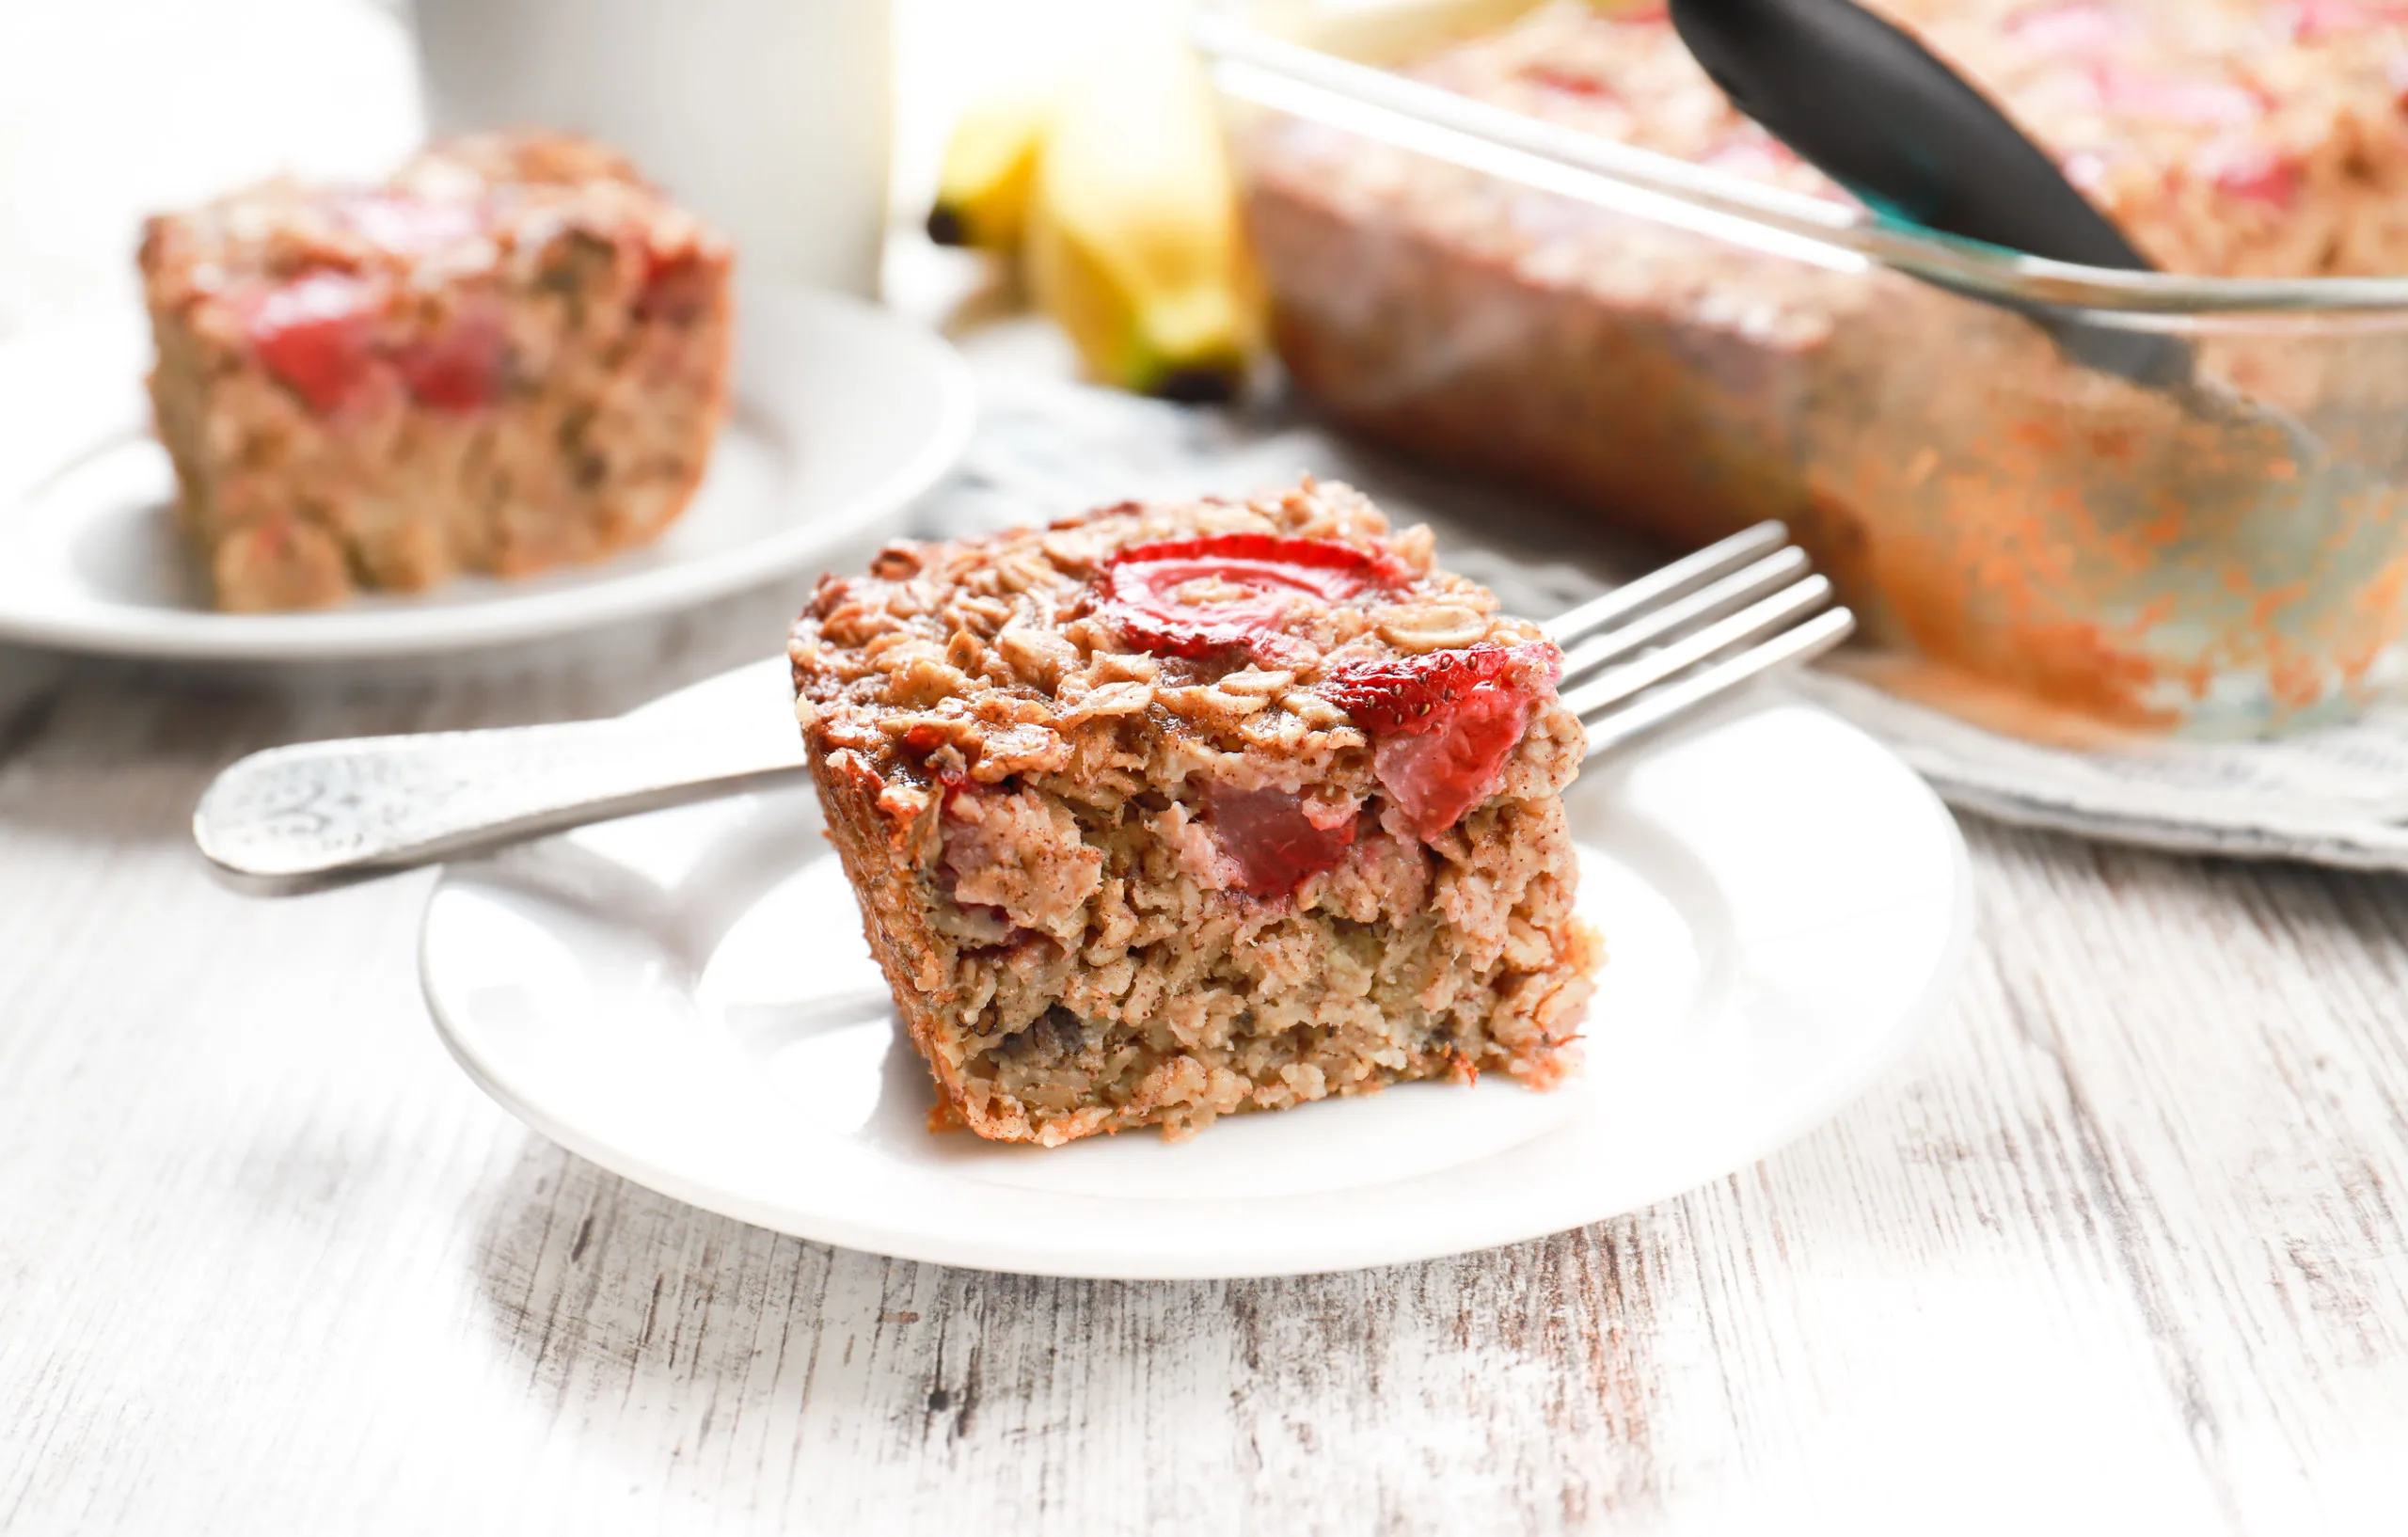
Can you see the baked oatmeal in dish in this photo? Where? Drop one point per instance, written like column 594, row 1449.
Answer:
column 2229, row 137
column 1984, row 501
column 512, row 356
column 1170, row 810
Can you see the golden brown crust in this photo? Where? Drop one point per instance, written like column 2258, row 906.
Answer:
column 894, row 915
column 987, row 657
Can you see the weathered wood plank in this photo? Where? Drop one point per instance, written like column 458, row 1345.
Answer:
column 2120, row 1242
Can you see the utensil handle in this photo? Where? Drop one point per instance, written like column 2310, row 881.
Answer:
column 1867, row 104
column 296, row 819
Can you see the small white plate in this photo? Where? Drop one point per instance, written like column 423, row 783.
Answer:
column 844, row 413
column 684, row 998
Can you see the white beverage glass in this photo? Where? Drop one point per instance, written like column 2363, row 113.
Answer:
column 772, row 119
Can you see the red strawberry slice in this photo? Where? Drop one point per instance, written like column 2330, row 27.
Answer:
column 2255, row 173
column 1195, row 597
column 318, row 333
column 1271, row 837
column 459, row 367
column 1444, row 723
column 1439, row 775
column 1410, row 694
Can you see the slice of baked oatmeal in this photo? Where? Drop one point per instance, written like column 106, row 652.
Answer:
column 1170, row 810
column 512, row 356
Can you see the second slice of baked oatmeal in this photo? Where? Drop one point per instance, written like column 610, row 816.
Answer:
column 1171, row 811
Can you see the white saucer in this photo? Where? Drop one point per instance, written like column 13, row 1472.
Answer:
column 844, row 413
column 686, row 999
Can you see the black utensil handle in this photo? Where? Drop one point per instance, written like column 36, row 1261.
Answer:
column 1879, row 112
column 1871, row 107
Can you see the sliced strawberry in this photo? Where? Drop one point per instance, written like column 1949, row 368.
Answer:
column 1439, row 775
column 1444, row 723
column 1412, row 694
column 459, row 367
column 1271, row 838
column 318, row 333
column 1195, row 597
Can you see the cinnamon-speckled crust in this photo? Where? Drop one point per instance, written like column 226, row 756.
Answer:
column 531, row 367
column 1024, row 799
column 989, row 656
column 895, row 912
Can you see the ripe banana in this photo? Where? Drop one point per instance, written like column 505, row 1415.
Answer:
column 983, row 186
column 1133, row 238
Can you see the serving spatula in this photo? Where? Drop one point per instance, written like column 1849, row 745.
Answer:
column 1867, row 104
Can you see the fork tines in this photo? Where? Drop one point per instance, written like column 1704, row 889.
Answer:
column 1654, row 649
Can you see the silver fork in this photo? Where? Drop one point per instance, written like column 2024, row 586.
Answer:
column 296, row 819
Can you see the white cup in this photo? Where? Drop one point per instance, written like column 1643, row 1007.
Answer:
column 772, row 119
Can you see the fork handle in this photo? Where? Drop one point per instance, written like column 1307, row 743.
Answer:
column 295, row 818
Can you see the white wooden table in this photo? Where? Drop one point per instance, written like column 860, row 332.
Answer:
column 2123, row 1245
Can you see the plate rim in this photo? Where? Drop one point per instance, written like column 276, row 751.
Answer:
column 198, row 636
column 1333, row 1253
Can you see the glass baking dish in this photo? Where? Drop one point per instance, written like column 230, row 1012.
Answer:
column 2030, row 541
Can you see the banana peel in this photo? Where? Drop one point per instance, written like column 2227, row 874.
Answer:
column 990, row 165
column 1134, row 238
column 1118, row 191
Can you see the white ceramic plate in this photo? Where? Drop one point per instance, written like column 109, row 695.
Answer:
column 686, row 999
column 844, row 413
